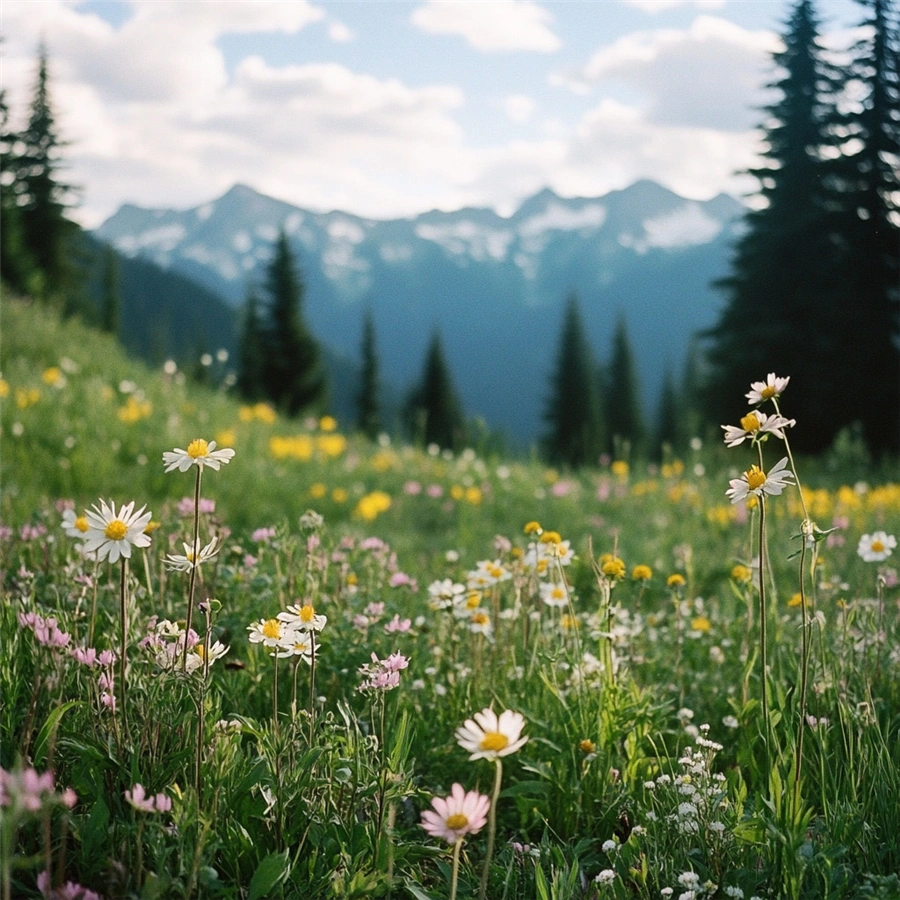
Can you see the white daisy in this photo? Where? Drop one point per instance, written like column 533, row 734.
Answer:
column 554, row 594
column 772, row 388
column 112, row 534
column 197, row 654
column 877, row 546
column 178, row 563
column 198, row 453
column 303, row 618
column 489, row 736
column 755, row 481
column 755, row 426
column 74, row 525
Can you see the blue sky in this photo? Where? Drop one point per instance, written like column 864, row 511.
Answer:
column 388, row 108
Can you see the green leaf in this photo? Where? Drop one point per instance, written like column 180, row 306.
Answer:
column 49, row 729
column 418, row 893
column 269, row 873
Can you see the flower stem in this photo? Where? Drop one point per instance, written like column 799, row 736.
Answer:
column 492, row 830
column 195, row 552
column 454, row 875
column 123, row 615
column 312, row 686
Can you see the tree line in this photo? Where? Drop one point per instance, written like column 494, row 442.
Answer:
column 813, row 290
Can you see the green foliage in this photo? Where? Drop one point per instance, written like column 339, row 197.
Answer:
column 574, row 425
column 251, row 352
column 624, row 419
column 368, row 412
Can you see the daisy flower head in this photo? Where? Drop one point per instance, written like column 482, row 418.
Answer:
column 755, row 481
column 303, row 618
column 198, row 655
column 756, row 426
column 876, row 546
column 198, row 453
column 489, row 736
column 452, row 818
column 178, row 563
column 75, row 526
column 770, row 389
column 554, row 593
column 270, row 633
column 111, row 534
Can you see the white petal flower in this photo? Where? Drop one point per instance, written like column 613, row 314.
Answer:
column 198, row 654
column 178, row 563
column 755, row 426
column 755, row 481
column 554, row 594
column 489, row 736
column 452, row 818
column 772, row 388
column 198, row 453
column 303, row 618
column 74, row 525
column 877, row 546
column 112, row 534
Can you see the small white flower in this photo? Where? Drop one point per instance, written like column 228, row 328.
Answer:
column 755, row 481
column 112, row 534
column 876, row 547
column 178, row 563
column 605, row 877
column 489, row 736
column 303, row 618
column 609, row 846
column 74, row 525
column 755, row 426
column 198, row 453
column 770, row 389
column 554, row 594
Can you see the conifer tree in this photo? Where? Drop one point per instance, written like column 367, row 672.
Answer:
column 293, row 375
column 368, row 418
column 250, row 382
column 18, row 269
column 574, row 435
column 434, row 412
column 41, row 198
column 667, row 429
column 624, row 418
column 779, row 313
column 110, row 298
column 868, row 173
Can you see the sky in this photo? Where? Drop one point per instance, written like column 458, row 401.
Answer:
column 389, row 108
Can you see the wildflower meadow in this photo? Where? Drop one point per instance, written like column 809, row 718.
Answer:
column 249, row 657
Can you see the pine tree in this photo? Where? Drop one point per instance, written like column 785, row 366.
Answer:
column 110, row 297
column 42, row 199
column 624, row 419
column 781, row 296
column 434, row 412
column 250, row 382
column 293, row 375
column 869, row 176
column 667, row 434
column 368, row 418
column 19, row 270
column 574, row 435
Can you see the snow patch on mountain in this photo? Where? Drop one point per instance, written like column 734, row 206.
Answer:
column 468, row 238
column 158, row 240
column 557, row 217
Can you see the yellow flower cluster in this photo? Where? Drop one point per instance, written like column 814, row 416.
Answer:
column 258, row 412
column 26, row 397
column 303, row 447
column 372, row 505
column 383, row 460
column 470, row 494
column 134, row 410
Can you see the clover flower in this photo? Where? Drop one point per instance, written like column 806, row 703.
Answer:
column 112, row 534
column 383, row 674
column 199, row 453
column 452, row 818
column 755, row 481
column 770, row 389
column 489, row 736
column 876, row 546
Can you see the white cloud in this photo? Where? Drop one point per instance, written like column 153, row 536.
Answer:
column 519, row 108
column 655, row 6
column 340, row 33
column 491, row 25
column 707, row 76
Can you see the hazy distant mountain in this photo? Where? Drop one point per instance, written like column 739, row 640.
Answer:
column 494, row 286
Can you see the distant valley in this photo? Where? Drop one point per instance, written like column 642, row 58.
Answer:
column 494, row 286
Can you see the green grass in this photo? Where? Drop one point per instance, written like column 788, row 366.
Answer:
column 325, row 800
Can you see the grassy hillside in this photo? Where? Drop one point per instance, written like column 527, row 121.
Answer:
column 253, row 755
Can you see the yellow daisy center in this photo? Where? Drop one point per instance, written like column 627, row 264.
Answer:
column 756, row 478
column 272, row 629
column 116, row 530
column 494, row 740
column 768, row 392
column 198, row 448
column 200, row 650
column 558, row 594
column 456, row 821
column 587, row 746
column 81, row 523
column 480, row 618
column 750, row 422
column 473, row 599
column 877, row 546
column 307, row 613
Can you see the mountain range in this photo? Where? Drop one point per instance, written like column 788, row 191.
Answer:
column 494, row 286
